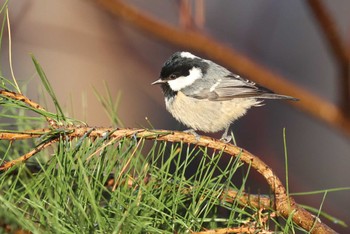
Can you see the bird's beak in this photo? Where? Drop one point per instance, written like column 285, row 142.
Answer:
column 159, row 81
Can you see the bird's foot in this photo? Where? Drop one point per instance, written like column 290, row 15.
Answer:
column 227, row 138
column 193, row 132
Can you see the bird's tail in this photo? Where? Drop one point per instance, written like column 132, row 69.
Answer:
column 276, row 96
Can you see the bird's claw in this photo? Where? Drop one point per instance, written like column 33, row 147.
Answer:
column 226, row 139
column 193, row 132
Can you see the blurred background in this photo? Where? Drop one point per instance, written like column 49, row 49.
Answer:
column 81, row 45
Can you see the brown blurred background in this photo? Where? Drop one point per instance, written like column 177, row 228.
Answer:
column 81, row 45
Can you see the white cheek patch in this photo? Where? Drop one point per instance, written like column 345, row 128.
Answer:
column 184, row 81
column 188, row 55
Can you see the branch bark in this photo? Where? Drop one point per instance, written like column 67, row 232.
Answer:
column 20, row 97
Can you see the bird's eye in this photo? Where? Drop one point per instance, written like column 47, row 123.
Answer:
column 172, row 76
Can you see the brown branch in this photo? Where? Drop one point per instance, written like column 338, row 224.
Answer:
column 199, row 13
column 186, row 19
column 250, row 227
column 227, row 56
column 285, row 205
column 185, row 14
column 242, row 229
column 10, row 136
column 330, row 30
column 337, row 46
column 22, row 98
column 257, row 201
column 26, row 156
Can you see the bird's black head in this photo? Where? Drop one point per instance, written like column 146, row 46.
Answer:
column 180, row 64
column 180, row 71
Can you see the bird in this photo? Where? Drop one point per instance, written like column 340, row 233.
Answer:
column 207, row 97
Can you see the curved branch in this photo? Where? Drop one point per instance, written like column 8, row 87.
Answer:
column 25, row 157
column 285, row 205
column 257, row 201
column 310, row 103
column 22, row 98
column 330, row 30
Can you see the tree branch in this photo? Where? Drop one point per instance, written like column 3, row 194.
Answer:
column 285, row 206
column 338, row 47
column 20, row 97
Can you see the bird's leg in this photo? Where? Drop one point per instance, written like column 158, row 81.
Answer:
column 225, row 137
column 193, row 132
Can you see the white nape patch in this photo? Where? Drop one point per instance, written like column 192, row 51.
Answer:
column 184, row 81
column 212, row 88
column 188, row 55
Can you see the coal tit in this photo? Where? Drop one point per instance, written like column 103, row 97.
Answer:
column 206, row 96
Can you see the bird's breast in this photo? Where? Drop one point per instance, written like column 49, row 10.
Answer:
column 205, row 115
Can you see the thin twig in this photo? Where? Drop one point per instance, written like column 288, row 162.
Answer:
column 257, row 201
column 199, row 18
column 185, row 14
column 24, row 99
column 242, row 229
column 126, row 165
column 10, row 136
column 330, row 30
column 110, row 142
column 10, row 49
column 250, row 227
column 337, row 46
column 310, row 103
column 26, row 156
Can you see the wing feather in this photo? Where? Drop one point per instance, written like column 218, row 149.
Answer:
column 228, row 87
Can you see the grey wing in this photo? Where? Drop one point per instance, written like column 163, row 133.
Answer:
column 228, row 87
